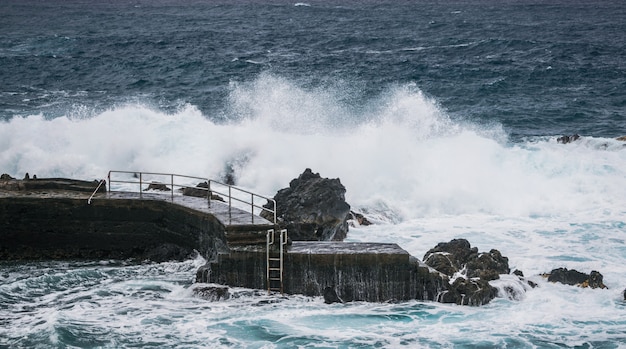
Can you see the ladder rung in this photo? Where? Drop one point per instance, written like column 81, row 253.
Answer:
column 274, row 259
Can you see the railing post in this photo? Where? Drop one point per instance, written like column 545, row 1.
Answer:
column 140, row 185
column 109, row 179
column 172, row 181
column 209, row 193
column 230, row 200
column 252, row 206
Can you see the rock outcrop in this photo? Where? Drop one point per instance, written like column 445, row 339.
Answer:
column 358, row 218
column 211, row 292
column 200, row 191
column 576, row 278
column 312, row 208
column 568, row 139
column 469, row 271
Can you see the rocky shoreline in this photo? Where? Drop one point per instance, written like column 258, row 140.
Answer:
column 312, row 209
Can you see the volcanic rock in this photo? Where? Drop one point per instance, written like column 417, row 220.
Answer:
column 211, row 292
column 359, row 218
column 576, row 278
column 312, row 208
column 200, row 191
column 472, row 271
column 567, row 139
column 469, row 292
column 330, row 296
column 6, row 177
column 157, row 186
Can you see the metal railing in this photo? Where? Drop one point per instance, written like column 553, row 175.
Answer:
column 102, row 181
column 231, row 193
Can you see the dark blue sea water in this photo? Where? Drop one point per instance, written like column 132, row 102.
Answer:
column 440, row 118
column 536, row 67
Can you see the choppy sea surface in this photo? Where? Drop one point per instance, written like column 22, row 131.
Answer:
column 440, row 118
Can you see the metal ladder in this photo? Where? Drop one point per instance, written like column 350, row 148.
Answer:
column 275, row 260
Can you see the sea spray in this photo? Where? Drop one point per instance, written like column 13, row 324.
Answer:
column 402, row 152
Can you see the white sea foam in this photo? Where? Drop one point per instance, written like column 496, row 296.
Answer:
column 423, row 177
column 400, row 152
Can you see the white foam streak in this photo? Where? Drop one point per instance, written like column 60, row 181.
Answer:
column 400, row 152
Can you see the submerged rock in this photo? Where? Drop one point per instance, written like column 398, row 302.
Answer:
column 568, row 139
column 473, row 292
column 211, row 292
column 360, row 219
column 576, row 278
column 312, row 208
column 168, row 252
column 330, row 296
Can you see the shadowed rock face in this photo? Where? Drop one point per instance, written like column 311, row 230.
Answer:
column 576, row 278
column 473, row 271
column 312, row 208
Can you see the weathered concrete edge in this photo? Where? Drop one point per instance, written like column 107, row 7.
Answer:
column 314, row 269
column 34, row 227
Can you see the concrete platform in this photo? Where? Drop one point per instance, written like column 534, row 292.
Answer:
column 333, row 248
column 232, row 218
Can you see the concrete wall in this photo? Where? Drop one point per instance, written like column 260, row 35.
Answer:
column 67, row 228
column 355, row 272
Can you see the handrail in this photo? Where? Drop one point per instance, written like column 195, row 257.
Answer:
column 252, row 196
column 95, row 191
column 210, row 189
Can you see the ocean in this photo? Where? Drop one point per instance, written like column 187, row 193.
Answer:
column 440, row 118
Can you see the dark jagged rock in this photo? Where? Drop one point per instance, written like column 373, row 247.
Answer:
column 469, row 292
column 211, row 292
column 200, row 191
column 157, row 186
column 475, row 270
column 568, row 139
column 456, row 255
column 622, row 138
column 330, row 296
column 488, row 266
column 168, row 252
column 312, row 208
column 450, row 257
column 359, row 218
column 576, row 278
column 6, row 177
column 520, row 275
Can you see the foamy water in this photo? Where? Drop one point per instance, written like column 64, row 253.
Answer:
column 421, row 176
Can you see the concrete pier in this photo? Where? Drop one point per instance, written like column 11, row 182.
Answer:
column 371, row 272
column 51, row 219
column 55, row 221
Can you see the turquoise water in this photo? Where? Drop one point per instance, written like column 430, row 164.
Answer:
column 110, row 305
